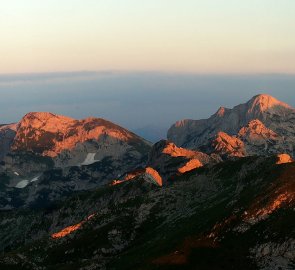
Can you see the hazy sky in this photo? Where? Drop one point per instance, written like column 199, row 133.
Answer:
column 215, row 36
column 147, row 103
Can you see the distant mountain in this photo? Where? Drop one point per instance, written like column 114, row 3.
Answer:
column 45, row 151
column 263, row 125
column 69, row 141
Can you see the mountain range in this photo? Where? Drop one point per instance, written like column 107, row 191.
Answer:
column 89, row 194
column 263, row 125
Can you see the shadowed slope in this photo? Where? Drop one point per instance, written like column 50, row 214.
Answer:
column 230, row 211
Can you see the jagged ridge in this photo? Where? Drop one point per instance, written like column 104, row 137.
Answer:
column 264, row 124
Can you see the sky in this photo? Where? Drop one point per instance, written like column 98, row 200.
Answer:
column 187, row 36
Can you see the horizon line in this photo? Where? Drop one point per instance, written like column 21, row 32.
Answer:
column 117, row 71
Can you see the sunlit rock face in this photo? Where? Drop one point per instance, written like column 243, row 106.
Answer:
column 50, row 134
column 166, row 161
column 148, row 174
column 153, row 176
column 170, row 149
column 190, row 165
column 70, row 141
column 259, row 139
column 43, row 133
column 70, row 229
column 166, row 150
column 169, row 160
column 275, row 204
column 264, row 124
column 284, row 158
column 128, row 177
column 255, row 132
column 226, row 145
column 65, row 155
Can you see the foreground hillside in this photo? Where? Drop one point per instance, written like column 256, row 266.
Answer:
column 234, row 215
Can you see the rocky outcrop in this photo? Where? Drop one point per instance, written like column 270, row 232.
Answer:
column 166, row 161
column 229, row 146
column 169, row 160
column 284, row 158
column 190, row 165
column 259, row 139
column 151, row 175
column 128, row 177
column 253, row 139
column 264, row 124
column 169, row 150
column 255, row 132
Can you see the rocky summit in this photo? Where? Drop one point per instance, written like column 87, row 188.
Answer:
column 88, row 194
column 73, row 142
column 263, row 125
column 69, row 154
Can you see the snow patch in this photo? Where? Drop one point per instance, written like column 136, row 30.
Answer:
column 89, row 159
column 22, row 184
column 35, row 179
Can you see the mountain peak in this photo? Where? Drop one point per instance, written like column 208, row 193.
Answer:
column 45, row 120
column 264, row 123
column 221, row 111
column 44, row 116
column 50, row 134
column 264, row 102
